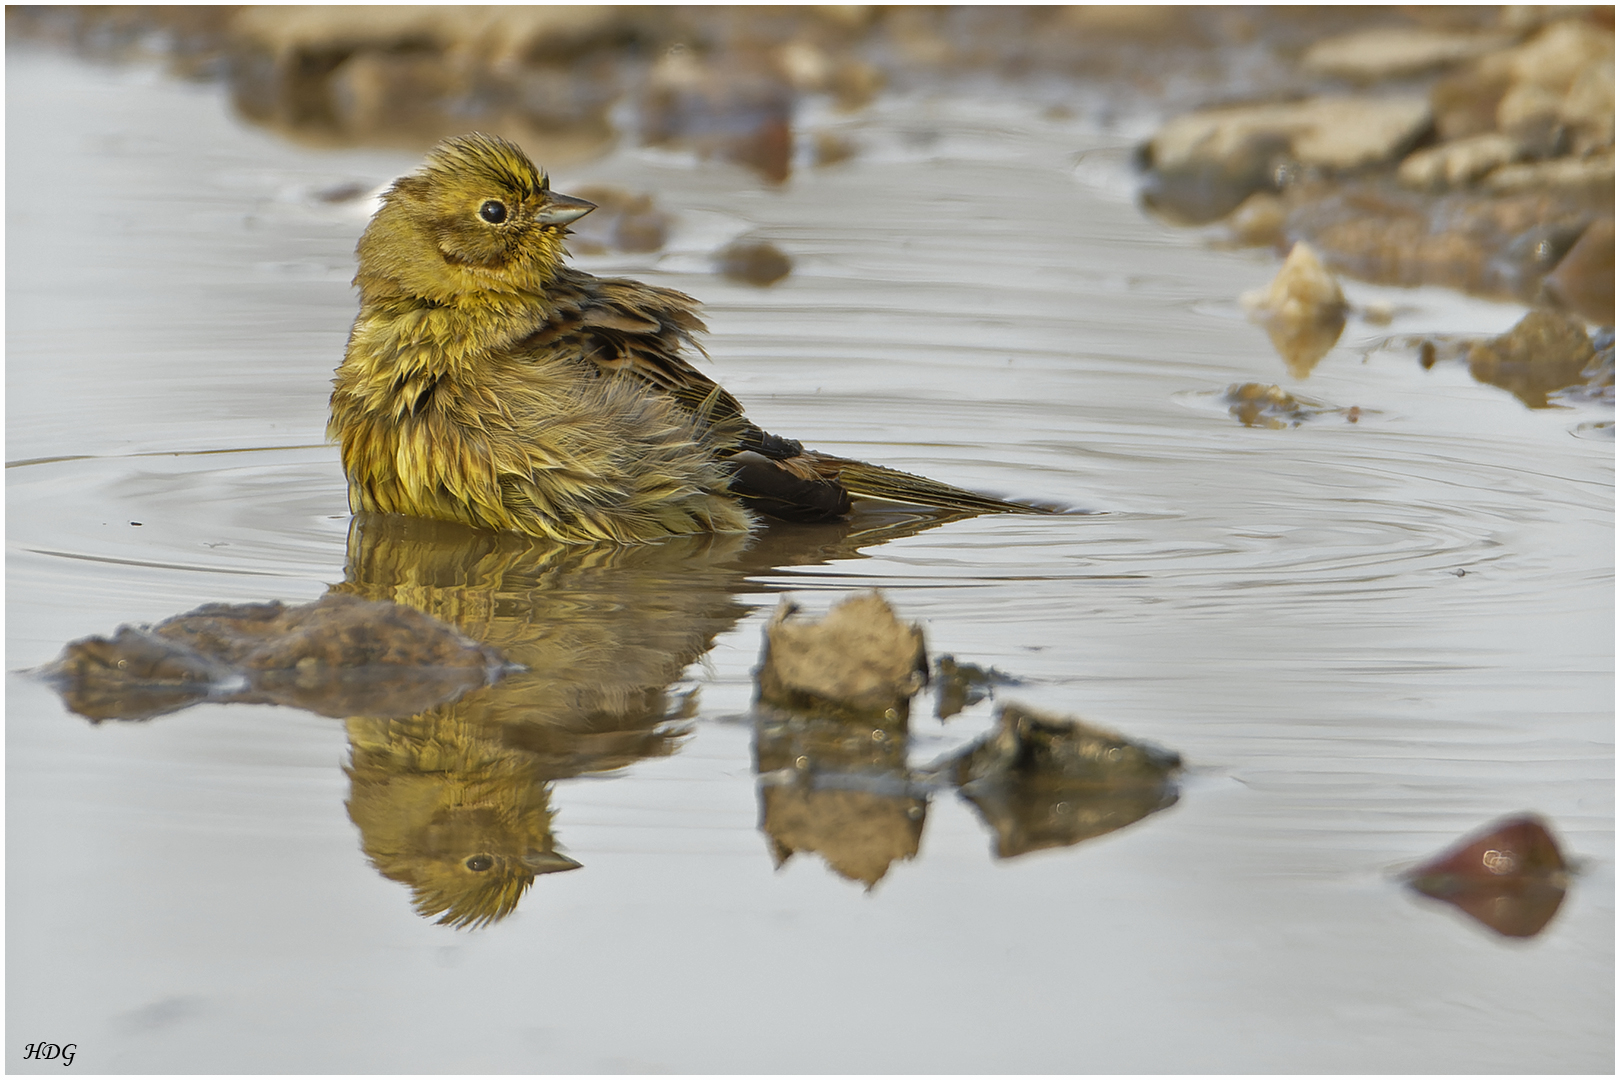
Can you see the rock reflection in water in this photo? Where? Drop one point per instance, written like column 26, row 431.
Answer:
column 453, row 797
column 839, row 789
column 1044, row 782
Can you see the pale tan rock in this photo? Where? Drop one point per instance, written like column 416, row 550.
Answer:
column 1593, row 174
column 1337, row 133
column 1303, row 310
column 1389, row 52
column 860, row 658
column 1561, row 78
column 1459, row 163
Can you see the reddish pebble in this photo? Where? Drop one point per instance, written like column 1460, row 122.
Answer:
column 1511, row 876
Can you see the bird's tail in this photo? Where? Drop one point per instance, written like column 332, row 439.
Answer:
column 864, row 481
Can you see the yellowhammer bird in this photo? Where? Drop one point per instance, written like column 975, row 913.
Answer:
column 487, row 383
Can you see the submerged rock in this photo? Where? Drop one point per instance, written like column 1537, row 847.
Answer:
column 1044, row 781
column 338, row 656
column 1303, row 310
column 860, row 660
column 1260, row 405
column 1509, row 876
column 1545, row 351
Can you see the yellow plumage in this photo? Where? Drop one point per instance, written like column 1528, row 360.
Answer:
column 486, row 383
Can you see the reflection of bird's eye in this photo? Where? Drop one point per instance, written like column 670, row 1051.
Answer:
column 493, row 212
column 481, row 862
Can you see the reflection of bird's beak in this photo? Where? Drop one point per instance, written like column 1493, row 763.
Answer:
column 561, row 209
column 548, row 862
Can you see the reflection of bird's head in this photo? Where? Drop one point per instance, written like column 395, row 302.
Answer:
column 477, row 218
column 464, row 824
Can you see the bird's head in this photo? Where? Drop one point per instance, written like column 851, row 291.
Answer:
column 477, row 219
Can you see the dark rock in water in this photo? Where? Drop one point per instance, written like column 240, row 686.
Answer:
column 1545, row 351
column 1044, row 782
column 860, row 661
column 339, row 656
column 754, row 262
column 1510, row 876
column 840, row 790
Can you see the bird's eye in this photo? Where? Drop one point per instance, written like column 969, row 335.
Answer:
column 481, row 862
column 493, row 211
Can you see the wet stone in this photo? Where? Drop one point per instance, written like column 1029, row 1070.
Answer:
column 1510, row 876
column 859, row 661
column 754, row 262
column 1395, row 52
column 1303, row 310
column 1044, row 782
column 1263, row 406
column 338, row 656
column 1545, row 351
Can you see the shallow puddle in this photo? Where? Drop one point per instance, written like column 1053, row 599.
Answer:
column 1364, row 639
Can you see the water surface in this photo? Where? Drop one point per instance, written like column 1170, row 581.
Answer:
column 1365, row 639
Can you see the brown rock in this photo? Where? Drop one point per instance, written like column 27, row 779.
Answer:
column 1044, row 781
column 337, row 656
column 1545, row 351
column 1584, row 280
column 754, row 262
column 1303, row 310
column 1509, row 876
column 860, row 659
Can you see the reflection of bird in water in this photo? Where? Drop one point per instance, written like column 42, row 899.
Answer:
column 455, row 802
column 487, row 383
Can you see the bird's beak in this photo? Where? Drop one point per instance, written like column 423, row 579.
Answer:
column 561, row 209
column 549, row 862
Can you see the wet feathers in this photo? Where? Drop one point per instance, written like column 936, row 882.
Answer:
column 487, row 383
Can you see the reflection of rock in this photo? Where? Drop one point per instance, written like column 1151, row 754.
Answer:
column 1510, row 877
column 1303, row 310
column 1259, row 405
column 840, row 790
column 1044, row 782
column 859, row 660
column 1544, row 352
column 337, row 656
